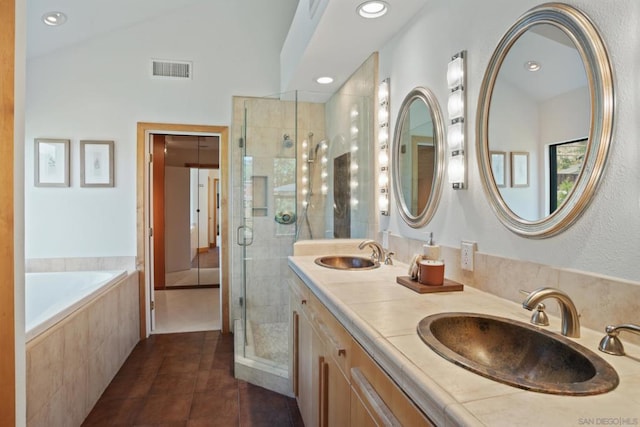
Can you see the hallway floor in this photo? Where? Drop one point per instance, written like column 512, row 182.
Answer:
column 186, row 379
column 187, row 310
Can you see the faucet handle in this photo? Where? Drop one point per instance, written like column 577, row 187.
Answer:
column 611, row 344
column 539, row 317
column 387, row 257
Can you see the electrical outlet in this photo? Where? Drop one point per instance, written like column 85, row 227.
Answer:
column 466, row 255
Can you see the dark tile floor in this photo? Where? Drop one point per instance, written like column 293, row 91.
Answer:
column 186, row 379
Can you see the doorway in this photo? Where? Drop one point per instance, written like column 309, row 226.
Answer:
column 193, row 178
column 185, row 253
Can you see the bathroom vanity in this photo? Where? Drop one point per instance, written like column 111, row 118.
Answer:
column 358, row 360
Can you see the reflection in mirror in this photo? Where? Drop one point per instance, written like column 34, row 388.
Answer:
column 540, row 101
column 418, row 155
column 342, row 196
column 547, row 101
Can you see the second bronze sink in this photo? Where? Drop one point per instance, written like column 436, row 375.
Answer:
column 517, row 354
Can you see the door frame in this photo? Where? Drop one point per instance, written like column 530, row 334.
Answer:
column 142, row 214
column 10, row 179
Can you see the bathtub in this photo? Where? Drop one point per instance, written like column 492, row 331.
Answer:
column 80, row 328
column 50, row 297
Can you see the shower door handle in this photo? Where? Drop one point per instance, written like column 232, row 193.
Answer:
column 243, row 241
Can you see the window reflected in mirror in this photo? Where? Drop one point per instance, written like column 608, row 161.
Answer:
column 565, row 165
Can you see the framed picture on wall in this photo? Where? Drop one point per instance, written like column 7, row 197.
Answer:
column 51, row 162
column 519, row 169
column 96, row 164
column 498, row 159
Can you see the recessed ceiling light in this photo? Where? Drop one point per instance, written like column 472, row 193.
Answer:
column 372, row 9
column 532, row 66
column 54, row 18
column 324, row 80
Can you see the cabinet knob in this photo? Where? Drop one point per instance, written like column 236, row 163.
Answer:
column 342, row 352
column 304, row 301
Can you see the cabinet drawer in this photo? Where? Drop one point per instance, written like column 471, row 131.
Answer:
column 388, row 401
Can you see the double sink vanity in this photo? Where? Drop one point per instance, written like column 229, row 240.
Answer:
column 453, row 358
column 368, row 351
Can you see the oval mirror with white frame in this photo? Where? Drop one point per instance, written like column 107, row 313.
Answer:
column 418, row 157
column 545, row 118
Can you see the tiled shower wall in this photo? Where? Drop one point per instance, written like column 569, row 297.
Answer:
column 600, row 300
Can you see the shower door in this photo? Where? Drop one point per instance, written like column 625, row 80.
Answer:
column 266, row 231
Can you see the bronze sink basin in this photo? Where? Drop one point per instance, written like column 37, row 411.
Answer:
column 346, row 262
column 517, row 354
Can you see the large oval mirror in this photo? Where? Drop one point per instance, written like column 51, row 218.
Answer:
column 545, row 117
column 418, row 157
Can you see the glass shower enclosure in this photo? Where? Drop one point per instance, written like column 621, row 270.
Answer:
column 291, row 181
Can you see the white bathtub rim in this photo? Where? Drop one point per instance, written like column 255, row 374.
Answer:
column 49, row 324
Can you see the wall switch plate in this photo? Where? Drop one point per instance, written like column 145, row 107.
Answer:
column 466, row 255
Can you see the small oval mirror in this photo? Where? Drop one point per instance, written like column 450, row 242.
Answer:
column 418, row 157
column 545, row 115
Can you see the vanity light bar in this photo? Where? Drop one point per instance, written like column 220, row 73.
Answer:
column 383, row 141
column 456, row 73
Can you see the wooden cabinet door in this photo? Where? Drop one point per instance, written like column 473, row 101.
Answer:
column 309, row 356
column 335, row 405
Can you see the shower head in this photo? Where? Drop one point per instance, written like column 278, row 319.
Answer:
column 286, row 141
column 313, row 153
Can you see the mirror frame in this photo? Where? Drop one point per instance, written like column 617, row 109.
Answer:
column 426, row 96
column 585, row 36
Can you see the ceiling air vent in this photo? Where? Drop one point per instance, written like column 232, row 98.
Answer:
column 170, row 69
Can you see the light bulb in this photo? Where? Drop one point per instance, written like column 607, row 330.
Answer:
column 383, row 158
column 383, row 92
column 455, row 72
column 383, row 202
column 455, row 106
column 383, row 115
column 383, row 179
column 383, row 135
column 455, row 136
column 456, row 169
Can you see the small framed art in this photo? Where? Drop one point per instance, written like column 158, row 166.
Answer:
column 519, row 169
column 498, row 167
column 96, row 164
column 51, row 162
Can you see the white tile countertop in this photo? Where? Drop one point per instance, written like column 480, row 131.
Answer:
column 383, row 315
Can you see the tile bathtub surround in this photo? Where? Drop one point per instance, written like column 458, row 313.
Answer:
column 45, row 265
column 70, row 364
column 600, row 300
